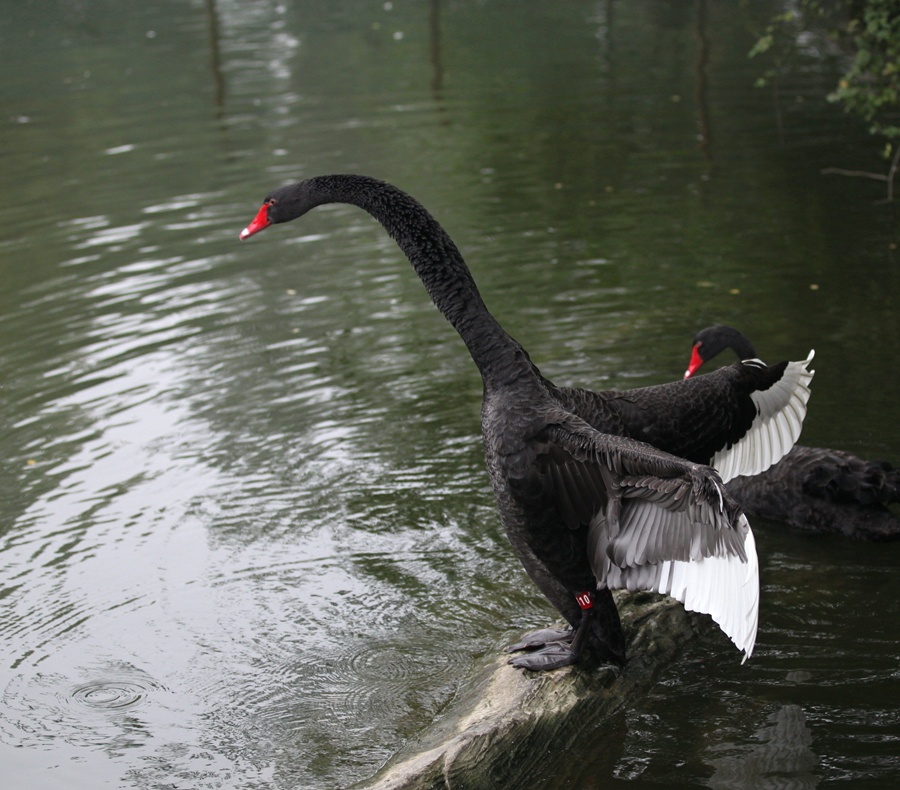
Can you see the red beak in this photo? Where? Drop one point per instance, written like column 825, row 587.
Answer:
column 260, row 222
column 695, row 363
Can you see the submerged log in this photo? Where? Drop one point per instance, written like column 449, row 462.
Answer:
column 500, row 729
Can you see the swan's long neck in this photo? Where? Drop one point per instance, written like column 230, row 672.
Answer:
column 439, row 265
column 731, row 338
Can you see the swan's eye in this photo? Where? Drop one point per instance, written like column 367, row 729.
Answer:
column 271, row 202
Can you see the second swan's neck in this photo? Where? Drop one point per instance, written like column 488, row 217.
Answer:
column 439, row 265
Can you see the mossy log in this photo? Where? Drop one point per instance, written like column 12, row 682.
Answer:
column 499, row 730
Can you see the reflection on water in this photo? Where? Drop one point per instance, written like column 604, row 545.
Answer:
column 246, row 538
column 784, row 759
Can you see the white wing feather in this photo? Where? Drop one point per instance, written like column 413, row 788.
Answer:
column 722, row 585
column 725, row 588
column 780, row 412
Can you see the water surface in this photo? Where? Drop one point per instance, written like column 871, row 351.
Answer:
column 246, row 537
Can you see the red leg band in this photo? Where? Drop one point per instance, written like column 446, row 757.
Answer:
column 585, row 600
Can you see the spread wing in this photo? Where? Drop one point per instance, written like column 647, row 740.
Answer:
column 657, row 523
column 780, row 411
column 740, row 419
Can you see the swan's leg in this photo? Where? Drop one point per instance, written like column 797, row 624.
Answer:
column 606, row 640
column 561, row 653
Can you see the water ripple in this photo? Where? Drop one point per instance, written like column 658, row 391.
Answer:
column 383, row 679
column 99, row 710
column 113, row 694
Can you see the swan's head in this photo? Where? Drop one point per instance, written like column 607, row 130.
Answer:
column 281, row 205
column 712, row 341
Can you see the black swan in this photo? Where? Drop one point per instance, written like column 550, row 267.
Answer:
column 811, row 488
column 597, row 491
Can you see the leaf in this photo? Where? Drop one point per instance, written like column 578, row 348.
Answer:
column 763, row 45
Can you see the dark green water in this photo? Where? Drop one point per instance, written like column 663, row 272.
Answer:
column 246, row 539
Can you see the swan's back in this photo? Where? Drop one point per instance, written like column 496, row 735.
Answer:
column 826, row 491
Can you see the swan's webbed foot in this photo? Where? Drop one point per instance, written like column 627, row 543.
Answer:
column 552, row 656
column 559, row 652
column 541, row 638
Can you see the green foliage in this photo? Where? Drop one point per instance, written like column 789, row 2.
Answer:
column 871, row 86
column 778, row 42
column 868, row 33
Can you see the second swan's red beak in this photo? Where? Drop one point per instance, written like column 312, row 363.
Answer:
column 693, row 365
column 260, row 222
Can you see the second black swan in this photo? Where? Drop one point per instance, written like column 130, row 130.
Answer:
column 815, row 489
column 597, row 491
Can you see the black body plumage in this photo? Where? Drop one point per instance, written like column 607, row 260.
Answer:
column 588, row 485
column 814, row 489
